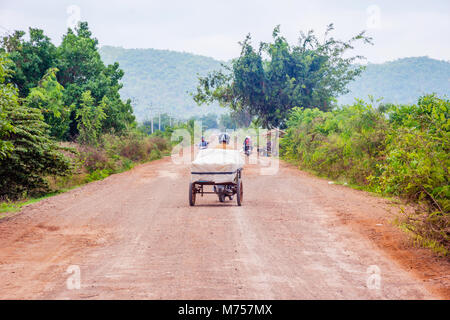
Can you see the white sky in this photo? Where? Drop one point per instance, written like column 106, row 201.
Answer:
column 213, row 28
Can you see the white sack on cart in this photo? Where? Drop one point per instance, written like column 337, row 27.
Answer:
column 221, row 161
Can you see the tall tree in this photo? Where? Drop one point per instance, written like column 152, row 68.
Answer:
column 7, row 98
column 32, row 155
column 81, row 70
column 269, row 81
column 31, row 58
column 48, row 97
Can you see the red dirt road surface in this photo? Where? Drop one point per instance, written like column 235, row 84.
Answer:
column 134, row 236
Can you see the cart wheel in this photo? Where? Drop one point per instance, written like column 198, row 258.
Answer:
column 221, row 197
column 239, row 193
column 191, row 194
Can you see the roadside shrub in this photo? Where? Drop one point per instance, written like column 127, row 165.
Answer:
column 346, row 143
column 417, row 163
column 160, row 143
column 98, row 175
column 400, row 150
column 94, row 158
column 155, row 154
column 134, row 146
column 134, row 149
column 114, row 154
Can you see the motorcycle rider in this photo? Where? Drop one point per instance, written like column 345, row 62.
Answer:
column 224, row 140
column 247, row 145
column 203, row 144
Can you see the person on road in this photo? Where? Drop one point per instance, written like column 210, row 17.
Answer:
column 224, row 140
column 269, row 148
column 203, row 144
column 247, row 145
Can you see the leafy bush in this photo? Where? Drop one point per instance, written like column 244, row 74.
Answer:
column 98, row 175
column 417, row 163
column 398, row 150
column 345, row 143
column 134, row 145
column 118, row 153
column 155, row 154
column 90, row 119
column 93, row 158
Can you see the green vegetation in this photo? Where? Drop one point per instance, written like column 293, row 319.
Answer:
column 307, row 75
column 62, row 121
column 6, row 208
column 90, row 119
column 397, row 150
column 160, row 80
column 8, row 99
column 28, row 152
column 115, row 154
column 56, row 79
column 48, row 97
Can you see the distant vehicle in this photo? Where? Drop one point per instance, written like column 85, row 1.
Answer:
column 221, row 169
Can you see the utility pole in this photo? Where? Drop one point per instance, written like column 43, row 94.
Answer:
column 151, row 119
column 159, row 120
column 152, row 123
column 151, row 115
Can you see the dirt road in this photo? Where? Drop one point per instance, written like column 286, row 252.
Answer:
column 133, row 235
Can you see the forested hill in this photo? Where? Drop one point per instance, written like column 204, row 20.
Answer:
column 164, row 78
column 161, row 78
column 402, row 80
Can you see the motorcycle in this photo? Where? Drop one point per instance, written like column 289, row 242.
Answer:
column 247, row 150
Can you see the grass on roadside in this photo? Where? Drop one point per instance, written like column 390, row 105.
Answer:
column 15, row 206
column 420, row 241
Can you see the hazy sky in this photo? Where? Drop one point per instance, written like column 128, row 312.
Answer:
column 213, row 28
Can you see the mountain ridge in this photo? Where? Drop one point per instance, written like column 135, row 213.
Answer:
column 160, row 80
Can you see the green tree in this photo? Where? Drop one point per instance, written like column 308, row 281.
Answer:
column 81, row 70
column 226, row 122
column 310, row 74
column 48, row 97
column 90, row 118
column 31, row 58
column 209, row 121
column 7, row 98
column 32, row 155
